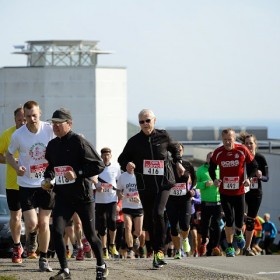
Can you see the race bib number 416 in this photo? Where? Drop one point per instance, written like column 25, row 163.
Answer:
column 153, row 167
column 59, row 175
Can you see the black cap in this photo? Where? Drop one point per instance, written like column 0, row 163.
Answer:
column 61, row 115
column 105, row 150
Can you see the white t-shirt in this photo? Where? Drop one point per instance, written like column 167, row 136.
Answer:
column 109, row 175
column 32, row 149
column 127, row 184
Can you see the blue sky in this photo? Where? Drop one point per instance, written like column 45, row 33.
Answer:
column 193, row 62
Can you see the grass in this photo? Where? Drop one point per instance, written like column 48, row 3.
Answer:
column 7, row 277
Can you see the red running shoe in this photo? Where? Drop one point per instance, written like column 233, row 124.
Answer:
column 17, row 252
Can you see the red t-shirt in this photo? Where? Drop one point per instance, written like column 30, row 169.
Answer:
column 232, row 168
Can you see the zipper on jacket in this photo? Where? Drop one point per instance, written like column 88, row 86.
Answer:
column 152, row 153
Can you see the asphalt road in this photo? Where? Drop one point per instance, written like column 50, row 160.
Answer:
column 237, row 268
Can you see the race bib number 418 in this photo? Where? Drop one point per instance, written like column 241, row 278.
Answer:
column 59, row 175
column 153, row 167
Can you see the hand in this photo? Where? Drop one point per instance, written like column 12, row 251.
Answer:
column 259, row 174
column 180, row 169
column 209, row 183
column 46, row 184
column 217, row 183
column 21, row 170
column 246, row 183
column 70, row 175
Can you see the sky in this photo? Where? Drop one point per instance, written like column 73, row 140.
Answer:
column 194, row 63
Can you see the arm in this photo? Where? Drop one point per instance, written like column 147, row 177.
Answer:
column 20, row 170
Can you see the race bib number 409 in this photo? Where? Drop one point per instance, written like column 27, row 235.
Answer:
column 153, row 167
column 59, row 175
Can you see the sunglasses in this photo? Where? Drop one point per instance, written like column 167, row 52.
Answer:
column 145, row 121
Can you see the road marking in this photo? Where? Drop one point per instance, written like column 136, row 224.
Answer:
column 273, row 272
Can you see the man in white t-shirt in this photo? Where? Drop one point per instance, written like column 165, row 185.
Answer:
column 106, row 202
column 31, row 141
column 132, row 209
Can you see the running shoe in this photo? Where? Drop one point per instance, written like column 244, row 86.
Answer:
column 31, row 255
column 216, row 251
column 32, row 246
column 86, row 245
column 178, row 255
column 61, row 275
column 136, row 243
column 195, row 253
column 240, row 240
column 113, row 251
column 102, row 272
column 141, row 252
column 81, row 255
column 186, row 245
column 130, row 254
column 230, row 252
column 17, row 252
column 74, row 253
column 105, row 254
column 248, row 252
column 44, row 265
column 68, row 253
column 158, row 260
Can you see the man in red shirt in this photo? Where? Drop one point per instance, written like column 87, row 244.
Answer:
column 233, row 160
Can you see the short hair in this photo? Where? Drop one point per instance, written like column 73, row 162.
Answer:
column 30, row 104
column 227, row 130
column 106, row 150
column 18, row 110
column 146, row 111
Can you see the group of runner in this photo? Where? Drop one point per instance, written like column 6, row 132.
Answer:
column 59, row 172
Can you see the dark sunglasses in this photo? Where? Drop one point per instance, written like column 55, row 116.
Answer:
column 145, row 121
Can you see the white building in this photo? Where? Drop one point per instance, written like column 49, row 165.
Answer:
column 65, row 74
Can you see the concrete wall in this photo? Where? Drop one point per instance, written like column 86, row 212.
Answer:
column 95, row 96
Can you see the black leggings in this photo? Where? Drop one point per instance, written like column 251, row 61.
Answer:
column 253, row 200
column 234, row 209
column 106, row 214
column 179, row 213
column 62, row 214
column 154, row 222
column 211, row 218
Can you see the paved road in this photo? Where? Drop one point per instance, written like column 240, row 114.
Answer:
column 238, row 268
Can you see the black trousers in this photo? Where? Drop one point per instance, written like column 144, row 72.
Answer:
column 62, row 213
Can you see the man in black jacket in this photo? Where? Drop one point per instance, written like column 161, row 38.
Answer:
column 146, row 153
column 72, row 162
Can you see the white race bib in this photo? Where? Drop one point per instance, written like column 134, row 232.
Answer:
column 254, row 183
column 179, row 189
column 59, row 175
column 133, row 198
column 231, row 183
column 153, row 167
column 37, row 171
column 107, row 188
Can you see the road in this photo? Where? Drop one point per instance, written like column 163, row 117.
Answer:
column 238, row 268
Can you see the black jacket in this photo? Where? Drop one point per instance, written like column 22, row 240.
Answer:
column 75, row 151
column 156, row 146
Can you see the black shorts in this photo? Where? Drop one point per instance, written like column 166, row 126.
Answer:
column 134, row 213
column 31, row 198
column 13, row 199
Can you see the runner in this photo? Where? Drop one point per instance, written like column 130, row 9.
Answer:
column 106, row 203
column 231, row 159
column 72, row 163
column 179, row 206
column 132, row 210
column 211, row 210
column 147, row 154
column 253, row 197
column 30, row 141
column 12, row 188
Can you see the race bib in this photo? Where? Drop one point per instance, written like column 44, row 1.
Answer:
column 133, row 198
column 254, row 183
column 153, row 167
column 231, row 183
column 108, row 188
column 37, row 171
column 179, row 189
column 59, row 175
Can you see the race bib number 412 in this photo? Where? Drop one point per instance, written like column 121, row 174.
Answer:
column 231, row 183
column 153, row 167
column 37, row 171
